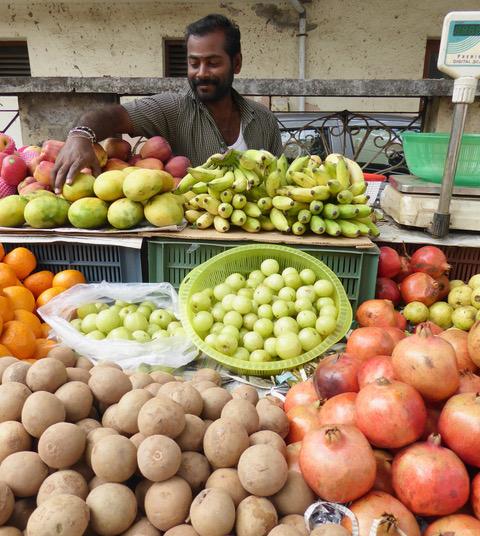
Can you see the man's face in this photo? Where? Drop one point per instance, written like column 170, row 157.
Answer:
column 210, row 69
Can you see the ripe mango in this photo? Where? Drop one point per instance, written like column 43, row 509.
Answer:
column 46, row 212
column 109, row 185
column 125, row 213
column 82, row 187
column 88, row 213
column 11, row 211
column 142, row 184
column 163, row 210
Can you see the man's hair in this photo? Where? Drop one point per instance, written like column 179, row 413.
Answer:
column 215, row 22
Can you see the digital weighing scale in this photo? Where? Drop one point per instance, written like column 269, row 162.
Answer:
column 440, row 207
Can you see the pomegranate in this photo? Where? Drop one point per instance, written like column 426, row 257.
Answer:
column 335, row 374
column 401, row 321
column 383, row 478
column 419, row 287
column 300, row 394
column 389, row 262
column 455, row 525
column 430, row 260
column 431, row 426
column 379, row 313
column 340, row 409
column 428, row 363
column 391, row 414
column 474, row 343
column 377, row 504
column 430, row 479
column 405, row 269
column 368, row 342
column 302, row 419
column 469, row 382
column 374, row 368
column 475, row 499
column 459, row 426
column 436, row 330
column 293, row 454
column 387, row 289
column 443, row 286
column 459, row 341
column 337, row 462
column 397, row 334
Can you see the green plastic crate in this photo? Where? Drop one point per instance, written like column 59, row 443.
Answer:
column 170, row 260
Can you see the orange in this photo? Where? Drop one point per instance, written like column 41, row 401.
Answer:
column 6, row 308
column 19, row 339
column 42, row 347
column 22, row 260
column 1, row 324
column 68, row 278
column 8, row 277
column 38, row 282
column 20, row 297
column 4, row 351
column 31, row 320
column 2, row 251
column 45, row 330
column 48, row 294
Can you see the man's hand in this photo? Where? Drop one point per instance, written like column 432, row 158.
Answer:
column 76, row 154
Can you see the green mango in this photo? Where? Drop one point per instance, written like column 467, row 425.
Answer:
column 88, row 213
column 11, row 211
column 125, row 213
column 46, row 212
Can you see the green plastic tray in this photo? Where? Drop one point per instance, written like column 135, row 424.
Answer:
column 245, row 259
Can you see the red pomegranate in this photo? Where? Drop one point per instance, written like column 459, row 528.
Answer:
column 387, row 289
column 455, row 525
column 300, row 394
column 383, row 478
column 431, row 426
column 475, row 499
column 405, row 269
column 443, row 287
column 337, row 462
column 459, row 341
column 436, row 330
column 374, row 368
column 340, row 409
column 401, row 321
column 368, row 342
column 429, row 479
column 377, row 313
column 419, row 287
column 459, row 426
column 389, row 264
column 391, row 414
column 302, row 419
column 397, row 334
column 335, row 374
column 429, row 260
column 469, row 382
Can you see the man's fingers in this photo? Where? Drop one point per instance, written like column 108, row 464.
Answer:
column 73, row 171
column 60, row 178
column 96, row 169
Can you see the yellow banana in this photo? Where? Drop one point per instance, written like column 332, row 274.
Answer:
column 206, row 175
column 321, row 193
column 252, row 225
column 204, row 221
column 192, row 215
column 358, row 188
column 282, row 202
column 343, row 175
column 240, row 184
column 225, row 210
column 273, row 182
column 211, row 205
column 200, row 188
column 266, row 223
column 279, row 220
column 356, row 173
column 221, row 224
column 302, row 179
column 321, row 175
column 238, row 217
column 222, row 183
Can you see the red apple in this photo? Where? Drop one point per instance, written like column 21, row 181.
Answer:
column 6, row 189
column 2, row 156
column 7, row 144
column 156, row 147
column 115, row 163
column 150, row 163
column 177, row 166
column 26, row 180
column 43, row 173
column 100, row 153
column 29, row 154
column 134, row 159
column 14, row 169
column 32, row 187
column 117, row 148
column 50, row 149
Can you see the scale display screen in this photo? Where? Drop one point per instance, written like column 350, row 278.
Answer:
column 465, row 30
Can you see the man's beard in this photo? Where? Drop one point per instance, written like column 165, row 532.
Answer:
column 221, row 88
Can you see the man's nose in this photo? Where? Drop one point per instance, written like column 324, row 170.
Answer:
column 202, row 70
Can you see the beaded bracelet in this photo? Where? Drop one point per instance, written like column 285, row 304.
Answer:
column 87, row 131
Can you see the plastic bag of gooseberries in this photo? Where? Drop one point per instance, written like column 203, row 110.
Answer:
column 127, row 347
column 322, row 512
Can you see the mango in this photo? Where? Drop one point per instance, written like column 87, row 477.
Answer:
column 37, row 193
column 125, row 213
column 109, row 185
column 82, row 187
column 142, row 184
column 11, row 211
column 46, row 212
column 88, row 213
column 163, row 210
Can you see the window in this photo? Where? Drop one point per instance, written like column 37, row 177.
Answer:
column 14, row 59
column 175, row 58
column 431, row 58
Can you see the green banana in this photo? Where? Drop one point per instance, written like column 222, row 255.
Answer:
column 304, row 216
column 358, row 188
column 297, row 207
column 321, row 193
column 298, row 228
column 252, row 225
column 282, row 202
column 282, row 167
column 221, row 224
column 363, row 228
column 222, row 183
column 253, row 158
column 316, row 207
column 330, row 211
column 361, row 199
column 272, row 182
column 189, row 196
column 186, row 183
column 321, row 176
column 279, row 220
column 298, row 164
column 204, row 221
column 349, row 229
column 317, row 225
column 343, row 175
column 213, row 193
column 206, row 175
column 239, row 201
column 200, row 188
column 334, row 186
column 225, row 210
column 364, row 211
column 266, row 223
column 330, row 169
column 265, row 204
column 193, row 204
column 238, row 217
column 347, row 212
column 240, row 184
column 226, row 196
column 229, row 158
column 302, row 195
column 192, row 215
column 332, row 228
column 211, row 205
column 374, row 230
column 200, row 200
column 302, row 179
column 252, row 210
column 345, row 197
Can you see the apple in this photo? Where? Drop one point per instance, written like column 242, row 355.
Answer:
column 150, row 163
column 31, row 157
column 7, row 144
column 156, row 147
column 50, row 149
column 177, row 166
column 13, row 170
column 117, row 148
column 26, row 188
column 43, row 173
column 134, row 159
column 115, row 164
column 2, row 156
column 6, row 189
column 100, row 153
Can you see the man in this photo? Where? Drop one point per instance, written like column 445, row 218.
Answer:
column 210, row 118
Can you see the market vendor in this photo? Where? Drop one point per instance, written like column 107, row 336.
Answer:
column 209, row 118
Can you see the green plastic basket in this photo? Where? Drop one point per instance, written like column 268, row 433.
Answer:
column 425, row 153
column 245, row 259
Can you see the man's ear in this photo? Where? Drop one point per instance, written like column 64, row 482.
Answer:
column 237, row 63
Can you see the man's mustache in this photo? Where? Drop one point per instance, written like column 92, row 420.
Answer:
column 205, row 82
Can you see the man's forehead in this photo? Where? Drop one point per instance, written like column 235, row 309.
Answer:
column 212, row 43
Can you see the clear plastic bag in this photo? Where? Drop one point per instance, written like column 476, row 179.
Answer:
column 323, row 512
column 171, row 352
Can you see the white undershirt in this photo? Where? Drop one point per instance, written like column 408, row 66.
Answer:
column 240, row 144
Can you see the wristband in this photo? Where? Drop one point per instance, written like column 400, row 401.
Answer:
column 85, row 131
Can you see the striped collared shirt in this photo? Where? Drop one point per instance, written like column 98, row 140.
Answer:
column 190, row 129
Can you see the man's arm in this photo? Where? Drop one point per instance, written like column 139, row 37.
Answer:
column 78, row 153
column 276, row 145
